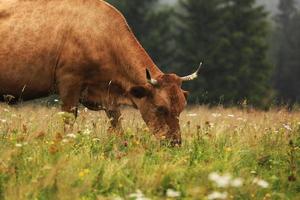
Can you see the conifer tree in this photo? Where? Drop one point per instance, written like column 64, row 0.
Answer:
column 152, row 25
column 230, row 36
column 287, row 74
column 200, row 38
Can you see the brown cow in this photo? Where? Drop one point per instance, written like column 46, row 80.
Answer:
column 85, row 51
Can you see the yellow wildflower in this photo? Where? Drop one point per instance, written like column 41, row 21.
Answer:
column 228, row 149
column 81, row 174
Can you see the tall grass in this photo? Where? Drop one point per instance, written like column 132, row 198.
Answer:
column 42, row 157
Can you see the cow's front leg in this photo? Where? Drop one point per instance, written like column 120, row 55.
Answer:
column 114, row 116
column 69, row 92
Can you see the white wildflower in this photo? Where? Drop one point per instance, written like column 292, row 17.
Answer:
column 85, row 110
column 173, row 193
column 241, row 119
column 87, row 132
column 138, row 195
column 56, row 100
column 213, row 176
column 47, row 167
column 142, row 198
column 237, row 182
column 221, row 181
column 216, row 115
column 261, row 183
column 287, row 127
column 65, row 141
column 96, row 139
column 192, row 115
column 19, row 145
column 71, row 135
column 29, row 158
column 230, row 115
column 217, row 195
column 3, row 120
column 117, row 198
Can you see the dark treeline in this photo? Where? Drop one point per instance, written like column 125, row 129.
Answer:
column 286, row 47
column 233, row 38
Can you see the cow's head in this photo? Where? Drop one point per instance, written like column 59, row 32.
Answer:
column 160, row 102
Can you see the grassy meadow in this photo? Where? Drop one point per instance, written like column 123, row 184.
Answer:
column 226, row 154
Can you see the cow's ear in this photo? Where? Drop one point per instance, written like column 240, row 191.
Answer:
column 140, row 92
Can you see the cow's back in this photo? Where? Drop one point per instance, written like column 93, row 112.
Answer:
column 33, row 36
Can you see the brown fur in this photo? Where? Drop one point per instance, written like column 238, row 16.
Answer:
column 85, row 51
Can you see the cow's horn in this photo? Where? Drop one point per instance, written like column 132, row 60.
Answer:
column 150, row 79
column 192, row 76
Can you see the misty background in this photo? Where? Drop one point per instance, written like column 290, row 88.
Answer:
column 270, row 5
column 250, row 48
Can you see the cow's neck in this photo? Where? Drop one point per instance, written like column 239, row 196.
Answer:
column 134, row 60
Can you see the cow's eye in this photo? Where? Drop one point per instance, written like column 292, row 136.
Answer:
column 162, row 110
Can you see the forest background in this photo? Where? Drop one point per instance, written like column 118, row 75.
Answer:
column 250, row 49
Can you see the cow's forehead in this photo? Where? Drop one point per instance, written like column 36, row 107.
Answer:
column 169, row 79
column 171, row 93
